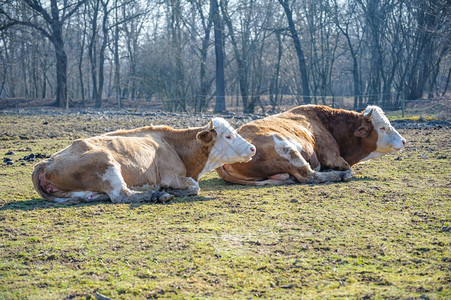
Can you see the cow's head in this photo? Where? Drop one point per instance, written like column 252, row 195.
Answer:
column 388, row 139
column 228, row 146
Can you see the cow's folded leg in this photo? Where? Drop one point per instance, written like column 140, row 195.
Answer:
column 161, row 197
column 337, row 168
column 117, row 189
column 332, row 160
column 333, row 176
column 129, row 196
column 307, row 175
column 295, row 164
column 183, row 186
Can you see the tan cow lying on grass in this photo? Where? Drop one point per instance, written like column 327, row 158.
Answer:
column 132, row 165
column 312, row 144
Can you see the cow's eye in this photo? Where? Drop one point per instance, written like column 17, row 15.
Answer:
column 382, row 128
column 229, row 137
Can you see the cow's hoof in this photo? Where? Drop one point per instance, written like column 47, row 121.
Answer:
column 165, row 198
column 346, row 175
column 161, row 197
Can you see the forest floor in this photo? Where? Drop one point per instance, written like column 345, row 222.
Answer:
column 384, row 234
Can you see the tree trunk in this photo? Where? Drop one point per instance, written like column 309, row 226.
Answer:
column 299, row 52
column 93, row 49
column 204, row 85
column 447, row 82
column 117, row 80
column 274, row 82
column 219, row 53
column 242, row 67
column 179, row 68
column 101, row 74
column 61, row 69
column 80, row 62
column 355, row 68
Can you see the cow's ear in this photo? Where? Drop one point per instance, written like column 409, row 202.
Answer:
column 206, row 137
column 362, row 131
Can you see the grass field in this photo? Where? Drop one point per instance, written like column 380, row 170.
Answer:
column 385, row 234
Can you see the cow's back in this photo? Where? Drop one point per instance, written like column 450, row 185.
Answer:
column 86, row 160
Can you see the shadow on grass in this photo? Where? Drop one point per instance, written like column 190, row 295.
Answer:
column 176, row 200
column 215, row 184
column 39, row 203
column 208, row 185
column 36, row 203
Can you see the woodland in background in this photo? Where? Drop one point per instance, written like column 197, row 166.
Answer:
column 191, row 54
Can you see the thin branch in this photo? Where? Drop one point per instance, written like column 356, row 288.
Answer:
column 77, row 6
column 39, row 9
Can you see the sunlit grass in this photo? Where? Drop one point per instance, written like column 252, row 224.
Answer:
column 384, row 234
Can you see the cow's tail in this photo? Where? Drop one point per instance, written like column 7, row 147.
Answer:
column 229, row 178
column 38, row 178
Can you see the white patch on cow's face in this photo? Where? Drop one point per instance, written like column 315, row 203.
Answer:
column 388, row 139
column 290, row 150
column 229, row 147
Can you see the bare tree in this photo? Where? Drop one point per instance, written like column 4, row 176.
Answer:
column 275, row 97
column 132, row 24
column 432, row 19
column 219, row 54
column 324, row 40
column 373, row 50
column 54, row 19
column 100, row 10
column 206, row 23
column 350, row 31
column 299, row 51
column 241, row 57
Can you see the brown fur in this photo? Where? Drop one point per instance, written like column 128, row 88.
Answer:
column 147, row 155
column 331, row 138
column 193, row 154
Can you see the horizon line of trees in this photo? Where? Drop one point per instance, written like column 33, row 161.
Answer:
column 190, row 52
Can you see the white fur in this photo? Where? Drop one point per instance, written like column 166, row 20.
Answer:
column 389, row 140
column 193, row 188
column 227, row 151
column 284, row 149
column 88, row 195
column 114, row 177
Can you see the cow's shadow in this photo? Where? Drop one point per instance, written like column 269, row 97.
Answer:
column 208, row 185
column 215, row 184
column 41, row 204
column 32, row 204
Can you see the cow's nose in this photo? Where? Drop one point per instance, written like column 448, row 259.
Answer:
column 252, row 149
column 403, row 142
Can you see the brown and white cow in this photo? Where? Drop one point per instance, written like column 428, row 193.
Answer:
column 312, row 144
column 132, row 165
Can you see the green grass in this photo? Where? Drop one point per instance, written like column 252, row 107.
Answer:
column 384, row 234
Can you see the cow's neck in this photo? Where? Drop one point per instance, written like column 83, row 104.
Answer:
column 342, row 124
column 191, row 151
